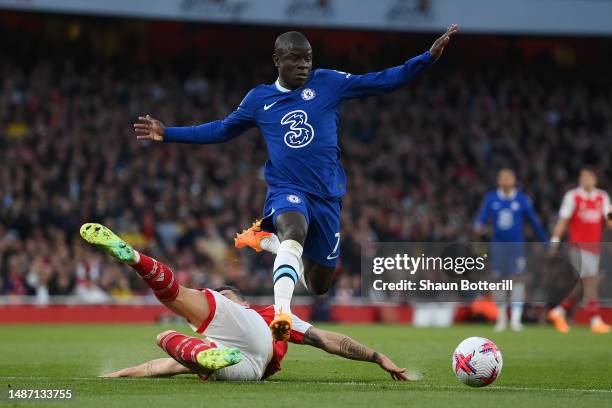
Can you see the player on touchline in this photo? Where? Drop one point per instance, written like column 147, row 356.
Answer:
column 508, row 208
column 238, row 344
column 584, row 210
column 298, row 118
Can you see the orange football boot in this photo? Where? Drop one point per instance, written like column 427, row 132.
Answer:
column 251, row 237
column 281, row 326
column 600, row 327
column 558, row 320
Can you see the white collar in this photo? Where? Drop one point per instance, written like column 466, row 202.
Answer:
column 585, row 193
column 510, row 196
column 280, row 87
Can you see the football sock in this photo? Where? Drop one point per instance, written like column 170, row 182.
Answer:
column 270, row 243
column 517, row 297
column 502, row 305
column 183, row 349
column 158, row 277
column 592, row 309
column 286, row 269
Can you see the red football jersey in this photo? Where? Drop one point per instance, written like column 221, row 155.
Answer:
column 586, row 212
column 298, row 329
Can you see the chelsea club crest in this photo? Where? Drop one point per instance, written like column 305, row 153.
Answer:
column 308, row 94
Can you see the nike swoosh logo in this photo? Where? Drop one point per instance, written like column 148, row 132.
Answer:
column 266, row 107
column 330, row 257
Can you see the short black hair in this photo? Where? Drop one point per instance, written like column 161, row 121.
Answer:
column 231, row 288
column 290, row 39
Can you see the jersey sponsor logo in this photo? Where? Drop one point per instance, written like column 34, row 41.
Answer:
column 266, row 107
column 300, row 132
column 505, row 219
column 335, row 253
column 308, row 94
column 293, row 199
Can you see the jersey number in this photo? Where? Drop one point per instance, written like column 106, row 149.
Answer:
column 300, row 131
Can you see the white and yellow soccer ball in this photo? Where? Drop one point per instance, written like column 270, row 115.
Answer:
column 477, row 361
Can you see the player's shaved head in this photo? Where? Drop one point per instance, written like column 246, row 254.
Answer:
column 290, row 40
column 293, row 59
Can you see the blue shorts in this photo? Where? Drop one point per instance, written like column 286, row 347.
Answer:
column 507, row 259
column 322, row 215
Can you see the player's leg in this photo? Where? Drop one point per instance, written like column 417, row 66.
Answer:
column 501, row 299
column 518, row 293
column 318, row 278
column 558, row 315
column 590, row 284
column 291, row 228
column 185, row 302
column 196, row 354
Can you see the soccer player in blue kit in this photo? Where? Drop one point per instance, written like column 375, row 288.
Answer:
column 298, row 118
column 507, row 208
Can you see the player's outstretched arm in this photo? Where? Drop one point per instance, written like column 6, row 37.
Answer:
column 217, row 131
column 343, row 346
column 161, row 367
column 148, row 128
column 438, row 46
column 380, row 83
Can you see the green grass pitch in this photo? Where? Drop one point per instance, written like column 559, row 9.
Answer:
column 541, row 369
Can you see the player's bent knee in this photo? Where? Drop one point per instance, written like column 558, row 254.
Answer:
column 320, row 285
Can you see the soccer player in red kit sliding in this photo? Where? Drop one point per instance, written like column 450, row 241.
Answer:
column 238, row 344
column 583, row 210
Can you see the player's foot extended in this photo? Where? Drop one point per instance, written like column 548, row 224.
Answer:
column 251, row 237
column 102, row 237
column 600, row 328
column 558, row 320
column 281, row 326
column 216, row 359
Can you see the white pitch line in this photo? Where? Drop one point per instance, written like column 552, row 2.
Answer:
column 414, row 384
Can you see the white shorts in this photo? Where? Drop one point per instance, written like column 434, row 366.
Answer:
column 231, row 325
column 585, row 262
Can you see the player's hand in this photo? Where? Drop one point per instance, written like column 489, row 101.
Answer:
column 148, row 128
column 438, row 45
column 397, row 373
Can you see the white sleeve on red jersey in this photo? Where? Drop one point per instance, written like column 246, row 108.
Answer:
column 568, row 205
column 606, row 203
column 298, row 328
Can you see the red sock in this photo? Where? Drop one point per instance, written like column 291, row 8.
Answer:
column 159, row 277
column 568, row 304
column 183, row 349
column 592, row 309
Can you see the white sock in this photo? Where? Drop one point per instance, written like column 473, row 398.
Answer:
column 286, row 269
column 517, row 297
column 500, row 299
column 502, row 317
column 596, row 320
column 270, row 243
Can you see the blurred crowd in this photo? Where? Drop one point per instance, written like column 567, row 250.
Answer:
column 418, row 163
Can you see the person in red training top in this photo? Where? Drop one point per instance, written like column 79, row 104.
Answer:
column 584, row 209
column 237, row 343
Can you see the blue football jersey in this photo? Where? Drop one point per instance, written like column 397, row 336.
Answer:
column 508, row 214
column 300, row 126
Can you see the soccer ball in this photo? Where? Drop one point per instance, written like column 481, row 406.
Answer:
column 477, row 361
